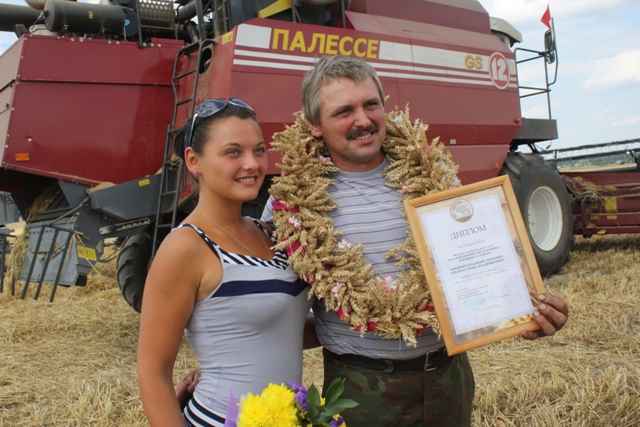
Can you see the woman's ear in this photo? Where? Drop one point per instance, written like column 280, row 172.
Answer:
column 191, row 160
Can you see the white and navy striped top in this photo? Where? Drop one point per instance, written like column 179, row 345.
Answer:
column 247, row 333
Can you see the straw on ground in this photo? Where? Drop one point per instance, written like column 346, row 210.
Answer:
column 72, row 363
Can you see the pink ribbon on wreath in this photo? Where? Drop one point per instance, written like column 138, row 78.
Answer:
column 370, row 325
column 428, row 308
column 279, row 206
column 292, row 248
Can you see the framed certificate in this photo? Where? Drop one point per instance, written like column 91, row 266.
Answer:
column 478, row 262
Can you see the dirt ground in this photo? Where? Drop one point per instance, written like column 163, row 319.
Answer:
column 73, row 362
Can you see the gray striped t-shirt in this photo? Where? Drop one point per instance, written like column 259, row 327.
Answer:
column 370, row 214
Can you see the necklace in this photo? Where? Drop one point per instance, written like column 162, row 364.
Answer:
column 232, row 236
column 259, row 233
column 336, row 269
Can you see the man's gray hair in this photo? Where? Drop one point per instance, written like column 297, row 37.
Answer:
column 330, row 68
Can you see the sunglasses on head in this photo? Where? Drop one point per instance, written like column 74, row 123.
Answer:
column 213, row 106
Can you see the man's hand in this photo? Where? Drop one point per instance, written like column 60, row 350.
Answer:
column 186, row 386
column 551, row 315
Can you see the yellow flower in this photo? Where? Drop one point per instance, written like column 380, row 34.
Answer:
column 275, row 407
column 252, row 411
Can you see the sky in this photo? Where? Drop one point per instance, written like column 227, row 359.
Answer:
column 596, row 97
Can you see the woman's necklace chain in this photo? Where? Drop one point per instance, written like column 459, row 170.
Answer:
column 232, row 236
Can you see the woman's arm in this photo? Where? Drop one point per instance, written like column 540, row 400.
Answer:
column 169, row 297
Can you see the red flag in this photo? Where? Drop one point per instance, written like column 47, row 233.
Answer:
column 546, row 18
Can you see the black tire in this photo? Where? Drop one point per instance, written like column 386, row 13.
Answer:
column 545, row 206
column 132, row 267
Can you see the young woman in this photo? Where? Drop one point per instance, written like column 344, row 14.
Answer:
column 215, row 278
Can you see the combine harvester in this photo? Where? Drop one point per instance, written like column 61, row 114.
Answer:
column 93, row 96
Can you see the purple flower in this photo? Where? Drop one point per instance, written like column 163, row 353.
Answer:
column 300, row 393
column 336, row 423
column 301, row 398
column 295, row 387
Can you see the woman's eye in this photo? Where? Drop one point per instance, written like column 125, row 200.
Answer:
column 261, row 150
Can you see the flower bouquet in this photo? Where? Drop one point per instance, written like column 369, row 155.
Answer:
column 292, row 405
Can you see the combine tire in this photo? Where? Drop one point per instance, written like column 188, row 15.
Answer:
column 545, row 206
column 132, row 266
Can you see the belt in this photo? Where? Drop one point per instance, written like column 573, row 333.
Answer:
column 429, row 362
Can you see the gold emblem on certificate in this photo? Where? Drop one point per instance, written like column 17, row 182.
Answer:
column 461, row 210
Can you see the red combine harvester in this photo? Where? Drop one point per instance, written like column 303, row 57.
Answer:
column 93, row 96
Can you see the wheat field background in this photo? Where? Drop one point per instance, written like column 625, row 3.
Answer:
column 73, row 362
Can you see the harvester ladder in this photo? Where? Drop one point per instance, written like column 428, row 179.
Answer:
column 173, row 178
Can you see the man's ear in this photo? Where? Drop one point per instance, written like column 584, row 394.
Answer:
column 315, row 130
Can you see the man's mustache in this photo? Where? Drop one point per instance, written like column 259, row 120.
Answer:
column 356, row 133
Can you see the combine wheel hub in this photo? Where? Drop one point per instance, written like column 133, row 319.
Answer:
column 545, row 218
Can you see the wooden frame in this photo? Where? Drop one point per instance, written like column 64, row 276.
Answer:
column 480, row 267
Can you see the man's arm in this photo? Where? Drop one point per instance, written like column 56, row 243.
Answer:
column 185, row 388
column 267, row 214
column 551, row 315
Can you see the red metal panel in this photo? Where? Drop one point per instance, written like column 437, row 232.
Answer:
column 611, row 230
column 461, row 14
column 608, row 220
column 610, row 212
column 9, row 62
column 419, row 30
column 613, row 178
column 626, row 185
column 465, row 115
column 615, row 204
column 478, row 162
column 90, row 111
column 71, row 59
column 459, row 102
column 89, row 133
column 449, row 96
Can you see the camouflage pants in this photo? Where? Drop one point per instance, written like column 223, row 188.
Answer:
column 442, row 397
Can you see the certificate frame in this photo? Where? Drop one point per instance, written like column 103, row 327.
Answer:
column 496, row 279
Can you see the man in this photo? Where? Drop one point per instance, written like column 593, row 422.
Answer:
column 395, row 384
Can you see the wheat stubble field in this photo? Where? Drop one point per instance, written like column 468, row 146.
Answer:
column 72, row 362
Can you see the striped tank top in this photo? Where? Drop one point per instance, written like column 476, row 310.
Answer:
column 247, row 333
